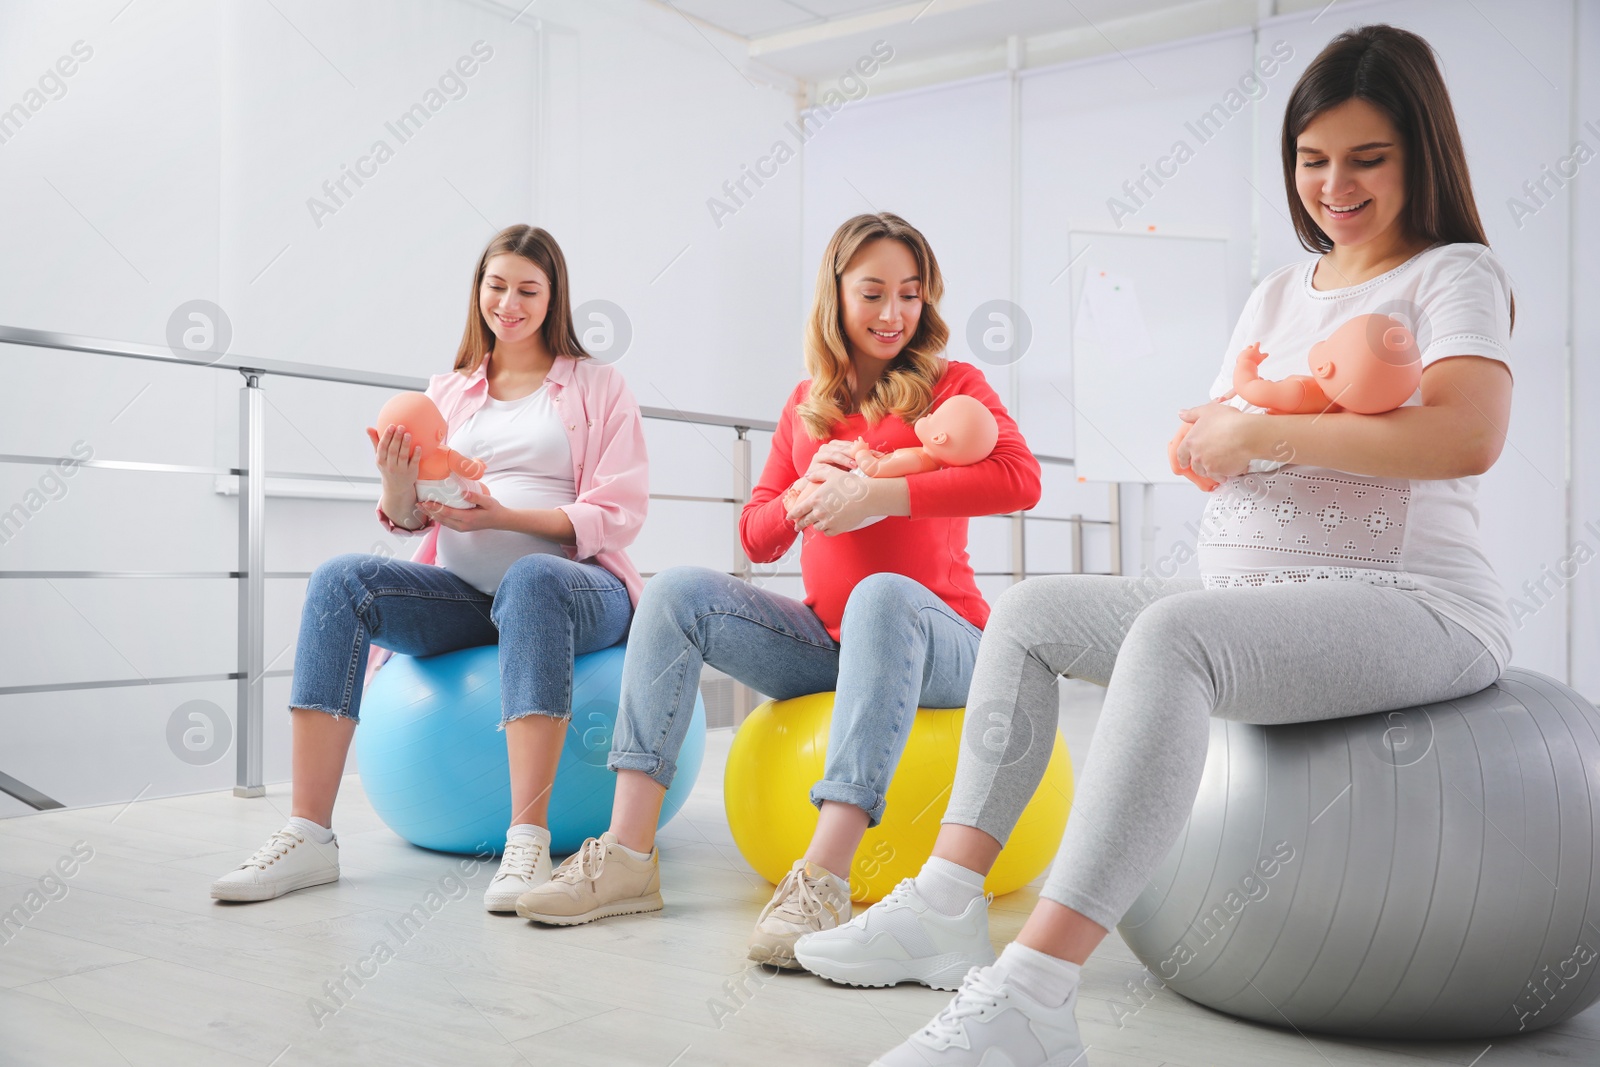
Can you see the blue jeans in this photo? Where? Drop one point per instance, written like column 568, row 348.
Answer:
column 900, row 647
column 547, row 610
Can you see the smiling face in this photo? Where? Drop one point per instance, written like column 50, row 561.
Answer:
column 880, row 300
column 1350, row 172
column 513, row 298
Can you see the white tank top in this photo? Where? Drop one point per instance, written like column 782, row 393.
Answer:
column 529, row 465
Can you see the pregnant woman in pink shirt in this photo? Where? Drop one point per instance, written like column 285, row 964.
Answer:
column 537, row 565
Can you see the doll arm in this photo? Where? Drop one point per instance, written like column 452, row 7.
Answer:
column 469, row 468
column 899, row 463
column 1297, row 394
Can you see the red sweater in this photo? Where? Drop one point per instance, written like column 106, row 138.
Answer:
column 931, row 545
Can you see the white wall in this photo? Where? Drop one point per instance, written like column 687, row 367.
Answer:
column 178, row 165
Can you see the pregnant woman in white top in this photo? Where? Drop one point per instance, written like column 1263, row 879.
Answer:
column 535, row 563
column 1344, row 577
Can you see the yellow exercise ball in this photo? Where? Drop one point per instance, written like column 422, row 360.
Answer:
column 778, row 755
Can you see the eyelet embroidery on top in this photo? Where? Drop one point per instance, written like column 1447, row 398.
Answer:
column 1303, row 524
column 1307, row 576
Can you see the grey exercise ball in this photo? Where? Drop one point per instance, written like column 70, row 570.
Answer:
column 1426, row 873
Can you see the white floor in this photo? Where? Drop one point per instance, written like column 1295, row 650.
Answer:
column 135, row 965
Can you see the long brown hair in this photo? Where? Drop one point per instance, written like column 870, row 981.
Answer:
column 906, row 387
column 1397, row 72
column 537, row 246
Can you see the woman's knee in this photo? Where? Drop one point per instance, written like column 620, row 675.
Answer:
column 1037, row 611
column 344, row 576
column 884, row 598
column 676, row 596
column 1170, row 632
column 538, row 577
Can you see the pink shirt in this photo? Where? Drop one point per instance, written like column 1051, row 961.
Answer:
column 610, row 469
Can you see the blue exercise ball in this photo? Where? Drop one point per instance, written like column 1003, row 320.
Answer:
column 1427, row 873
column 433, row 758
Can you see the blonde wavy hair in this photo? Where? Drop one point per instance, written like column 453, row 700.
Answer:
column 906, row 387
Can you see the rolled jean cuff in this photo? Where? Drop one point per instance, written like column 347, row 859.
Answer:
column 1088, row 907
column 337, row 713
column 659, row 768
column 846, row 793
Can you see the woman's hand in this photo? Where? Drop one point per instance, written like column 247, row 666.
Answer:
column 839, row 505
column 490, row 514
column 1220, row 444
column 831, row 458
column 398, row 459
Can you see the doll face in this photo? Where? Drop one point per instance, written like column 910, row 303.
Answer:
column 880, row 300
column 935, row 429
column 1350, row 172
column 513, row 298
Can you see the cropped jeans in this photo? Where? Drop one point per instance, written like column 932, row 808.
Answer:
column 546, row 610
column 900, row 647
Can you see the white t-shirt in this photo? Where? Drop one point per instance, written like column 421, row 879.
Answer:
column 529, row 465
column 1292, row 523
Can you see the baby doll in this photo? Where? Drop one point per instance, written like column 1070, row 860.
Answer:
column 1369, row 365
column 442, row 475
column 957, row 433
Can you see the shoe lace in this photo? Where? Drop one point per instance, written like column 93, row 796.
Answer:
column 583, row 865
column 277, row 847
column 797, row 900
column 520, row 859
column 980, row 992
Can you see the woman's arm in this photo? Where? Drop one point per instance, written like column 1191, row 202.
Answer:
column 1458, row 430
column 765, row 532
column 1007, row 480
column 608, row 514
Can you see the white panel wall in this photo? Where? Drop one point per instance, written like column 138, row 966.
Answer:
column 178, row 163
column 1585, row 238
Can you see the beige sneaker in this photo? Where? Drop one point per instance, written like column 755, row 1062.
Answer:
column 598, row 880
column 809, row 898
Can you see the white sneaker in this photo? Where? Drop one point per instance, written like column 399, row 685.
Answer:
column 288, row 861
column 525, row 864
column 901, row 938
column 989, row 1023
column 809, row 898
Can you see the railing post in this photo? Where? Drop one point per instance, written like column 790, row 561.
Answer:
column 1115, row 515
column 1019, row 547
column 741, row 494
column 252, row 588
column 743, row 697
column 1077, row 542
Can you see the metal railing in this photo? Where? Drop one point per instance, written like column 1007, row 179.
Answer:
column 252, row 473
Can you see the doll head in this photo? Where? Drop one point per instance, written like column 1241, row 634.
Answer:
column 959, row 431
column 422, row 419
column 1369, row 365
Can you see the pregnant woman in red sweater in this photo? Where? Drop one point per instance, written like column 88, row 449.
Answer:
column 892, row 614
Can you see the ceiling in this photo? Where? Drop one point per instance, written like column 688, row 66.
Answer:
column 815, row 40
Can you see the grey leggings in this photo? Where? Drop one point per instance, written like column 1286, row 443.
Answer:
column 1277, row 654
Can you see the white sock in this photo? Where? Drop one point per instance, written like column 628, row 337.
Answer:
column 537, row 834
column 315, row 831
column 1047, row 979
column 948, row 887
column 642, row 857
